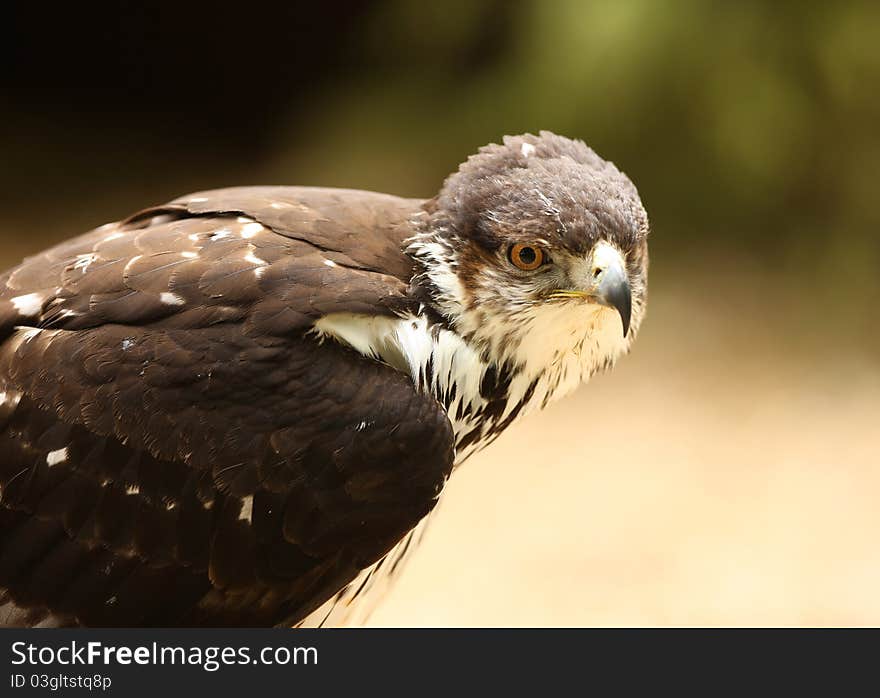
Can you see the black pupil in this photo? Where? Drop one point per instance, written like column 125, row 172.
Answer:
column 527, row 255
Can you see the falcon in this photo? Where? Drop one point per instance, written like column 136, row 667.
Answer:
column 238, row 408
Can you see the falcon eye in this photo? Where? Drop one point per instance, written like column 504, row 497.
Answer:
column 525, row 257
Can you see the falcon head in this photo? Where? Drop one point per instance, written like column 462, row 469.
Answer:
column 535, row 251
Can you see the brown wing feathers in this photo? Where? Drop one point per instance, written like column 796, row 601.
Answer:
column 174, row 447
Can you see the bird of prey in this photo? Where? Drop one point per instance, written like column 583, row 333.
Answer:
column 235, row 409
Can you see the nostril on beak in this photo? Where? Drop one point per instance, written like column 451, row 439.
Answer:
column 610, row 282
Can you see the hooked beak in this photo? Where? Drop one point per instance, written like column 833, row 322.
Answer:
column 608, row 283
column 612, row 288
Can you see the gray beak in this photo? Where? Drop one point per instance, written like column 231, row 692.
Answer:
column 614, row 291
column 611, row 287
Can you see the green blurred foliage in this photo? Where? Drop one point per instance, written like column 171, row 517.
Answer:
column 758, row 120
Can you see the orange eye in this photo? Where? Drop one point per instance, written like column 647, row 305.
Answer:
column 526, row 257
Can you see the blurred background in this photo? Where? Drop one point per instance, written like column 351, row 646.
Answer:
column 730, row 473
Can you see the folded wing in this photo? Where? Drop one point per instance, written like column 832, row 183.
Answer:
column 176, row 446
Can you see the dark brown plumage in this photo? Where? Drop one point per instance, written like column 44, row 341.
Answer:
column 172, row 413
column 183, row 443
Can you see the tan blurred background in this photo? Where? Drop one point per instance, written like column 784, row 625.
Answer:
column 728, row 471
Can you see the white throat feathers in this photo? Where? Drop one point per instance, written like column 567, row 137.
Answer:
column 482, row 392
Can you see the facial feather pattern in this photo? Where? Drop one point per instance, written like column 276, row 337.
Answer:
column 543, row 327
